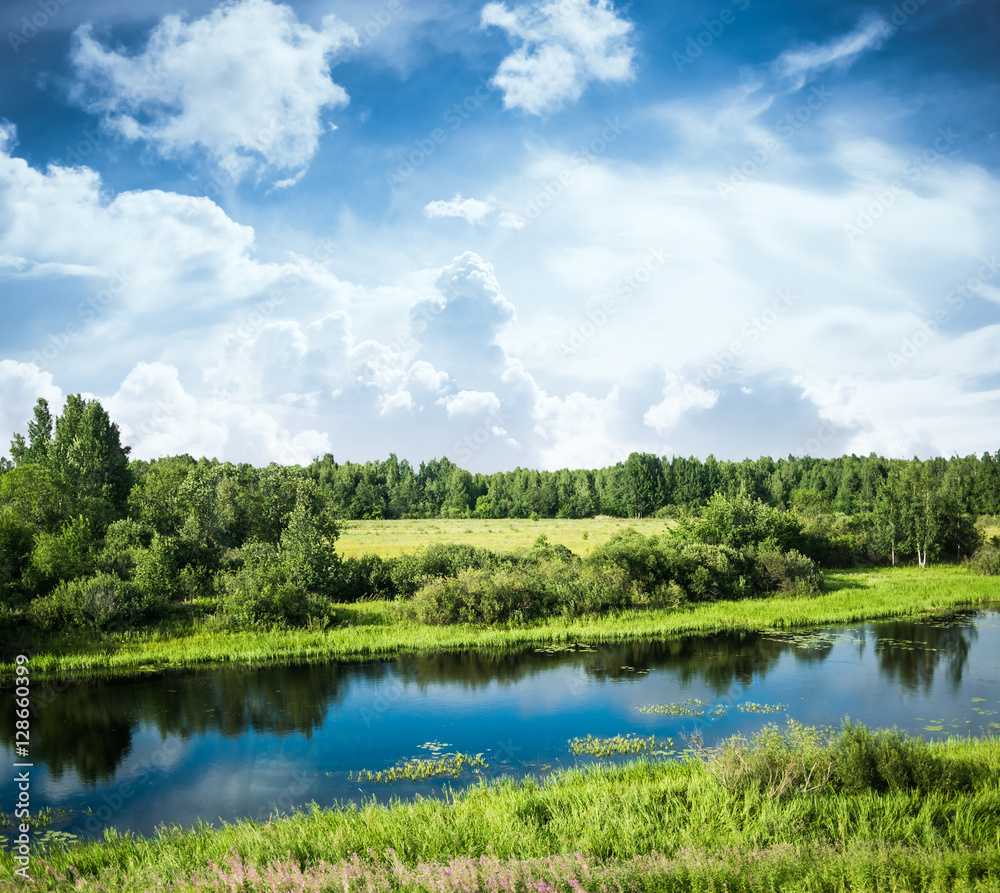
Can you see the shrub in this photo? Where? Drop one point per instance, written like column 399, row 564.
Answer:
column 806, row 760
column 259, row 593
column 62, row 556
column 156, row 569
column 987, row 559
column 506, row 595
column 103, row 602
column 886, row 760
column 790, row 573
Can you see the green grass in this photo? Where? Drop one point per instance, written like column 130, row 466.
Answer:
column 390, row 538
column 374, row 629
column 646, row 825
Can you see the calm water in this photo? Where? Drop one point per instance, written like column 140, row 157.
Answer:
column 232, row 743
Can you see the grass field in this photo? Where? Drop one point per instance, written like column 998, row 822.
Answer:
column 390, row 538
column 695, row 825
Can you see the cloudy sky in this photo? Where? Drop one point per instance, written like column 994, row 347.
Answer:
column 536, row 233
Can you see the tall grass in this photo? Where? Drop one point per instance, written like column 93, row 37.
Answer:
column 644, row 825
column 375, row 629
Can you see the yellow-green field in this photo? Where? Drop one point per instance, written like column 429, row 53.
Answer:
column 389, row 538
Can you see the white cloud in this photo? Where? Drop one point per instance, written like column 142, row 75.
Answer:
column 21, row 385
column 565, row 44
column 678, row 397
column 799, row 64
column 511, row 220
column 246, row 84
column 470, row 403
column 470, row 209
column 158, row 417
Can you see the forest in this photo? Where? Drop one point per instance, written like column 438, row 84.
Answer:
column 91, row 538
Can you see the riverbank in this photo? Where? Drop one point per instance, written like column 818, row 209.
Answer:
column 882, row 813
column 375, row 629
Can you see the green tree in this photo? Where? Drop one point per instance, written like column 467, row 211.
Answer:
column 640, row 483
column 86, row 453
column 889, row 515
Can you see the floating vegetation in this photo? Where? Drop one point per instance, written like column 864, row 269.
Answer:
column 691, row 708
column 449, row 766
column 435, row 747
column 634, row 670
column 582, row 647
column 620, row 745
column 823, row 638
column 751, row 707
column 44, row 818
column 886, row 642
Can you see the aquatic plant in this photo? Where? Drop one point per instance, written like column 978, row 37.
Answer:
column 621, row 744
column 447, row 766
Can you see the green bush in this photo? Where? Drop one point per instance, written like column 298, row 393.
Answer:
column 63, row 556
column 506, row 595
column 156, row 569
column 103, row 602
column 886, row 760
column 790, row 573
column 258, row 593
column 987, row 559
column 806, row 760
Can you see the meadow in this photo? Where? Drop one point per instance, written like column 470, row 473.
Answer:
column 388, row 539
column 798, row 809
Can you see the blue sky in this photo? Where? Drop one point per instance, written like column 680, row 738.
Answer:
column 536, row 234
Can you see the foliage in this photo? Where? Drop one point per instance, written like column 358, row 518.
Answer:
column 987, row 559
column 103, row 602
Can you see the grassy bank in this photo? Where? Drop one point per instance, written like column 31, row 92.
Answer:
column 374, row 629
column 924, row 818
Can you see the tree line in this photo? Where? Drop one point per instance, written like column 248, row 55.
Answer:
column 88, row 534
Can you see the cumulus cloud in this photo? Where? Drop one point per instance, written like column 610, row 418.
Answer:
column 247, row 84
column 564, row 46
column 159, row 417
column 21, row 385
column 470, row 209
column 678, row 397
column 470, row 403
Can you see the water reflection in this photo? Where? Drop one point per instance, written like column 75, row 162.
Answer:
column 89, row 728
column 910, row 653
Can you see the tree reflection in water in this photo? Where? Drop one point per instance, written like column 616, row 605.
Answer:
column 89, row 727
